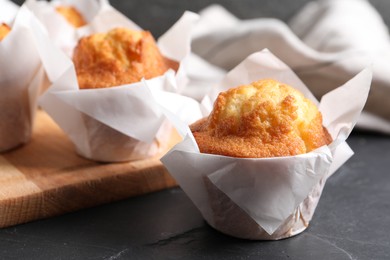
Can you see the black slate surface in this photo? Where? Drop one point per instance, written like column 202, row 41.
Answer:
column 352, row 220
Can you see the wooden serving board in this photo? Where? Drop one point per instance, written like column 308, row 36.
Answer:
column 46, row 177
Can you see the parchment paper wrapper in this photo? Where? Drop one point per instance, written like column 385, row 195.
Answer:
column 60, row 31
column 20, row 78
column 8, row 11
column 120, row 123
column 267, row 198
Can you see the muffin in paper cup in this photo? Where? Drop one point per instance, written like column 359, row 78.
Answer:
column 100, row 17
column 66, row 21
column 266, row 198
column 120, row 122
column 21, row 75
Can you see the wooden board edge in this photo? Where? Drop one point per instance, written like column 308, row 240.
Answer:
column 61, row 200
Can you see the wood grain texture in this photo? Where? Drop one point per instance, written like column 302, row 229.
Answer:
column 46, row 177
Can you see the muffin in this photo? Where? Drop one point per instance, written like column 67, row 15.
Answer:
column 118, row 57
column 4, row 30
column 71, row 15
column 112, row 114
column 263, row 119
column 256, row 164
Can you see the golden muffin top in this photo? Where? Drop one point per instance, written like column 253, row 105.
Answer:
column 4, row 30
column 120, row 56
column 263, row 119
column 72, row 15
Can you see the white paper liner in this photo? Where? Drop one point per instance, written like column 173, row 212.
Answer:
column 60, row 31
column 267, row 198
column 120, row 123
column 118, row 147
column 20, row 79
column 8, row 11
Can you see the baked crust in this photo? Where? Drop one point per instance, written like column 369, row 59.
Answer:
column 263, row 119
column 120, row 56
column 4, row 30
column 72, row 15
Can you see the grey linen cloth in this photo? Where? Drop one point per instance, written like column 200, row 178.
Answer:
column 326, row 43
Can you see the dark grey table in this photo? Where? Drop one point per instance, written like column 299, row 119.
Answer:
column 352, row 220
